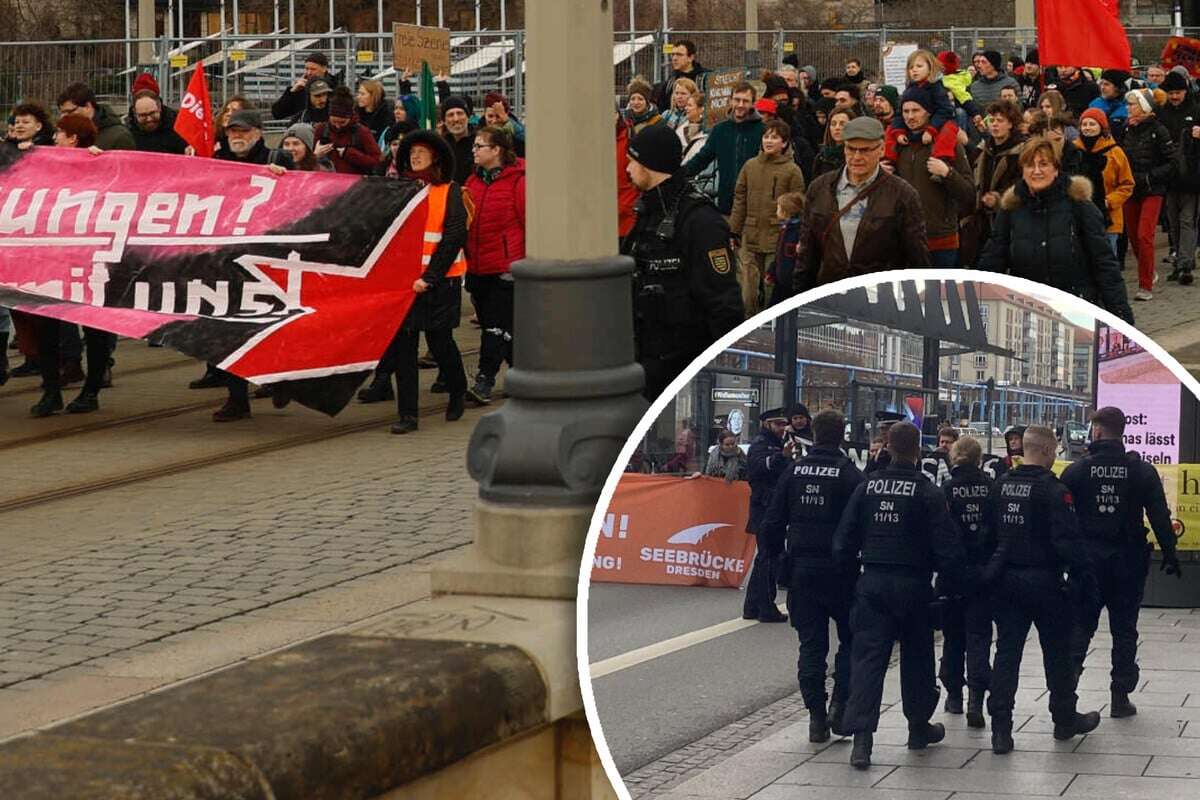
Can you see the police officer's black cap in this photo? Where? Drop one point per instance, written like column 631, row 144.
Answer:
column 772, row 414
column 657, row 148
column 889, row 416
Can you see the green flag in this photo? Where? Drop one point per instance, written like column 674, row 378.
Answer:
column 428, row 98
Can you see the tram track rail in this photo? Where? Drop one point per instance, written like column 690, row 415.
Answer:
column 135, row 476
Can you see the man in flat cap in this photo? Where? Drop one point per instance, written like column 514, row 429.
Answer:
column 860, row 218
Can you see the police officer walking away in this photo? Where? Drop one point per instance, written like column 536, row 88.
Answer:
column 897, row 520
column 806, row 508
column 1112, row 489
column 1038, row 537
column 769, row 458
column 686, row 293
column 967, row 627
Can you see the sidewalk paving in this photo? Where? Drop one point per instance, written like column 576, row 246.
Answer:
column 1153, row 755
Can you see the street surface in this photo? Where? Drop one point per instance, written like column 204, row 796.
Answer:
column 145, row 544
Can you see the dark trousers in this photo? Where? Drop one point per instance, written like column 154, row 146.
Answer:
column 1024, row 597
column 493, row 299
column 402, row 356
column 51, row 346
column 891, row 607
column 760, row 589
column 1121, row 573
column 815, row 598
column 966, row 642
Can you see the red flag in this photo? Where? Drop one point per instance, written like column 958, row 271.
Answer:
column 194, row 122
column 1082, row 33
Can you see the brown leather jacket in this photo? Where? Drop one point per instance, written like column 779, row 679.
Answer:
column 891, row 235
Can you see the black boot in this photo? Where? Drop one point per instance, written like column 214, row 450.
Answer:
column 379, row 390
column 405, row 425
column 1002, row 741
column 211, row 379
column 837, row 717
column 3, row 358
column 953, row 702
column 818, row 725
column 975, row 709
column 27, row 369
column 1186, row 278
column 85, row 403
column 1081, row 723
column 51, row 403
column 925, row 734
column 455, row 407
column 1121, row 707
column 232, row 411
column 860, row 755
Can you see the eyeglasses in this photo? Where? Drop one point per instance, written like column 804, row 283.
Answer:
column 65, row 110
column 861, row 151
column 478, row 146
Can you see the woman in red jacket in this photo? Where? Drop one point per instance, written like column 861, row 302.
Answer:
column 495, row 241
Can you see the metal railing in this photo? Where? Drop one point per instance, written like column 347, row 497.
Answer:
column 261, row 66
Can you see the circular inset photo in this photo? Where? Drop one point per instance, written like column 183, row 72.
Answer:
column 921, row 534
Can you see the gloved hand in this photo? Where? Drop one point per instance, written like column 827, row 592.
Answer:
column 1170, row 565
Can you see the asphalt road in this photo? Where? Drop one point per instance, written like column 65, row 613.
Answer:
column 658, row 706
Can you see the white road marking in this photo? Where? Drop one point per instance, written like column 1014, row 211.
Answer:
column 608, row 666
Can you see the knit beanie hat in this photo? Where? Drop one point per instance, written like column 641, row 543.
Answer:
column 1096, row 115
column 799, row 409
column 657, row 148
column 916, row 94
column 949, row 61
column 304, row 132
column 342, row 103
column 767, row 106
column 1174, row 82
column 145, row 82
column 793, row 59
column 1031, row 57
column 1119, row 77
column 811, row 72
column 891, row 94
column 994, row 58
column 454, row 101
column 639, row 86
column 1143, row 98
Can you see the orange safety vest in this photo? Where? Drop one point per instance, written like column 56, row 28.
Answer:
column 435, row 222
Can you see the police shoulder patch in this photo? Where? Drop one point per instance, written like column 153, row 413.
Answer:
column 719, row 259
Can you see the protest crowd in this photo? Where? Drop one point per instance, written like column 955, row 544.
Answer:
column 1058, row 174
column 913, row 539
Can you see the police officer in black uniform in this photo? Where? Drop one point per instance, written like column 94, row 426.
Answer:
column 1034, row 519
column 1112, row 489
column 898, row 520
column 686, row 294
column 768, row 459
column 967, row 624
column 805, row 510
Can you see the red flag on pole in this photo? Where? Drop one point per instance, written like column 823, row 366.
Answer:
column 194, row 122
column 1082, row 33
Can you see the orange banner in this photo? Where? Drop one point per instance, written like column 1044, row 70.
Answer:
column 663, row 529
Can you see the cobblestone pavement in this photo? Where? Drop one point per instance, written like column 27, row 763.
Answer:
column 115, row 592
column 1156, row 754
column 1172, row 318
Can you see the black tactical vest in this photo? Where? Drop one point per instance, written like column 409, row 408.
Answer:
column 1106, row 505
column 666, row 321
column 967, row 493
column 894, row 527
column 815, row 506
column 1023, row 521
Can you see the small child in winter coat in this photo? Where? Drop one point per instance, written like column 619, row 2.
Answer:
column 925, row 87
column 788, row 209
